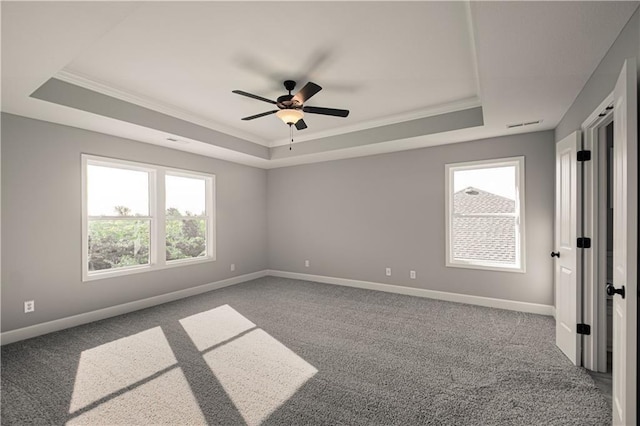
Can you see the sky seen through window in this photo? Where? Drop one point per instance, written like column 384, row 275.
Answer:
column 108, row 187
column 497, row 180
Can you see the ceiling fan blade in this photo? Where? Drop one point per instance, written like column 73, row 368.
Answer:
column 306, row 92
column 251, row 117
column 301, row 125
column 251, row 95
column 326, row 111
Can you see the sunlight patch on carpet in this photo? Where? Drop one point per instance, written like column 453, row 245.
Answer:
column 166, row 399
column 258, row 373
column 114, row 366
column 133, row 380
column 138, row 380
column 215, row 326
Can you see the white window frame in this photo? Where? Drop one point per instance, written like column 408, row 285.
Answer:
column 208, row 216
column 520, row 245
column 157, row 217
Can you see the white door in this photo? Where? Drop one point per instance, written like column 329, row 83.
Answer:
column 625, row 245
column 566, row 265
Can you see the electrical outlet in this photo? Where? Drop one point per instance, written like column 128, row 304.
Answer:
column 412, row 275
column 306, row 263
column 29, row 306
column 233, row 267
column 388, row 272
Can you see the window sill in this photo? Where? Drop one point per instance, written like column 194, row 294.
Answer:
column 486, row 267
column 144, row 268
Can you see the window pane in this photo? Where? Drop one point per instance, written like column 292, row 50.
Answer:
column 185, row 196
column 486, row 190
column 488, row 239
column 186, row 238
column 485, row 228
column 117, row 192
column 471, row 200
column 118, row 243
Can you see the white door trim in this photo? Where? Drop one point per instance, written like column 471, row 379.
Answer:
column 623, row 103
column 594, row 300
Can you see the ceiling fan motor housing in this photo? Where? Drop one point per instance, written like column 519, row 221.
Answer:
column 287, row 102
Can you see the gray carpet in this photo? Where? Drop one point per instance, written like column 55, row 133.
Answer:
column 279, row 351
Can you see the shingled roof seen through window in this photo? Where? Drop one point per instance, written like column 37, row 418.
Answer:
column 483, row 238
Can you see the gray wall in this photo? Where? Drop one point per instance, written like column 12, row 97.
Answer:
column 352, row 218
column 41, row 222
column 604, row 78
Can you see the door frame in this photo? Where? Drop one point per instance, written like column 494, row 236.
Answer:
column 625, row 232
column 594, row 301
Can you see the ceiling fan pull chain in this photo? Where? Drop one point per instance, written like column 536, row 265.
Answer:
column 291, row 135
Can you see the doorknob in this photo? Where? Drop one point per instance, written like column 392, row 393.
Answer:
column 611, row 290
column 555, row 254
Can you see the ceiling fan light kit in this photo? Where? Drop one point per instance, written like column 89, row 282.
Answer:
column 290, row 116
column 291, row 107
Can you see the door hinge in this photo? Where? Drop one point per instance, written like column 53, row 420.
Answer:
column 583, row 329
column 584, row 242
column 584, row 155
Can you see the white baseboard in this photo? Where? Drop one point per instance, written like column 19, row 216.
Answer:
column 511, row 305
column 100, row 314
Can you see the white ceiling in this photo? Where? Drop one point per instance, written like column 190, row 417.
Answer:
column 387, row 62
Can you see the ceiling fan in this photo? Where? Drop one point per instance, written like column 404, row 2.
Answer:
column 291, row 107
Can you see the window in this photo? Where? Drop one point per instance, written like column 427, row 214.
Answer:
column 138, row 217
column 186, row 217
column 485, row 214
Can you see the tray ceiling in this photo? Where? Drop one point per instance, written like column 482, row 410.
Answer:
column 412, row 73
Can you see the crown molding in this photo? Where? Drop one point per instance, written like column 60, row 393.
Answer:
column 74, row 77
column 474, row 49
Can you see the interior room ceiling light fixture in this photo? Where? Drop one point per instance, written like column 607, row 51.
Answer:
column 290, row 116
column 291, row 107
